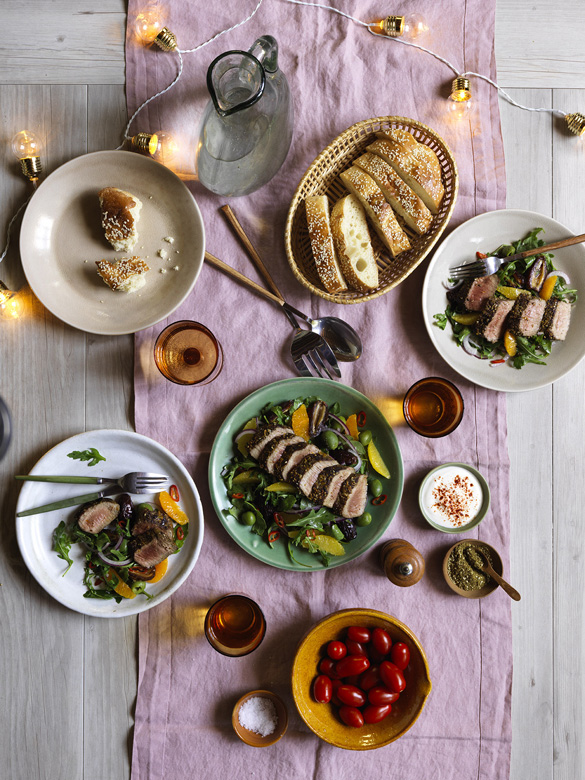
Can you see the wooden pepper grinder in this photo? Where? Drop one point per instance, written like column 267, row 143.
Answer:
column 402, row 563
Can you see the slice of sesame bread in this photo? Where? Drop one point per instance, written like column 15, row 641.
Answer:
column 416, row 163
column 353, row 245
column 317, row 208
column 377, row 208
column 399, row 195
column 120, row 212
column 125, row 275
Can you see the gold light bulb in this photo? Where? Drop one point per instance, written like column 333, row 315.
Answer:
column 27, row 148
column 409, row 26
column 150, row 28
column 160, row 145
column 459, row 109
column 576, row 123
column 415, row 26
column 11, row 305
column 460, row 91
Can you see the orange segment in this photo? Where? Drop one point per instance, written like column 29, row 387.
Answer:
column 119, row 585
column 376, row 460
column 547, row 288
column 300, row 422
column 160, row 570
column 172, row 509
column 327, row 544
column 351, row 423
column 511, row 292
column 510, row 343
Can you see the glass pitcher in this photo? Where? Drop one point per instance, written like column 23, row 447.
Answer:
column 246, row 129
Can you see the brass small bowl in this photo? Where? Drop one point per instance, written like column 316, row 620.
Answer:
column 252, row 737
column 490, row 586
column 322, row 719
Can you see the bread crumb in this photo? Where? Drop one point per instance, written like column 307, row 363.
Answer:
column 176, row 251
column 162, row 253
column 175, row 268
column 169, row 239
column 163, row 271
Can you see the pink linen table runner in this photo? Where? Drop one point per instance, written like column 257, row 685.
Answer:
column 339, row 74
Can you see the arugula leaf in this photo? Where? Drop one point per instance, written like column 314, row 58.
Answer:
column 441, row 320
column 62, row 544
column 91, row 455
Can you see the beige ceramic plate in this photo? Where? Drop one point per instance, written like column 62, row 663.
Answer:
column 61, row 239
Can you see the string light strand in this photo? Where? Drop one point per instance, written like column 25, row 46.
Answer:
column 223, row 32
column 10, row 224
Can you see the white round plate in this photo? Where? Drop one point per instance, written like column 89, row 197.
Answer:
column 124, row 452
column 485, row 233
column 61, row 239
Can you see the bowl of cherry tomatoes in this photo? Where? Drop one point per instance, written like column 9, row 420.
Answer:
column 360, row 679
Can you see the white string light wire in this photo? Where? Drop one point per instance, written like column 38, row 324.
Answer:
column 12, row 221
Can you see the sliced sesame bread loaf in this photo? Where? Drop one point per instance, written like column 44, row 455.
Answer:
column 317, row 208
column 399, row 195
column 353, row 245
column 120, row 212
column 377, row 208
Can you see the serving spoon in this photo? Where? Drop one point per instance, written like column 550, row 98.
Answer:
column 341, row 337
column 479, row 561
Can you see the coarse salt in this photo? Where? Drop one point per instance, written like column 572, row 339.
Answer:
column 258, row 714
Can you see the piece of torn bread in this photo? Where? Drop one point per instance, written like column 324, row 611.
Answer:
column 126, row 275
column 120, row 213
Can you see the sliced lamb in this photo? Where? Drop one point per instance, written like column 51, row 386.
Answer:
column 526, row 316
column 492, row 319
column 352, row 497
column 96, row 515
column 326, row 488
column 150, row 518
column 296, row 457
column 285, row 456
column 312, row 471
column 261, row 438
column 556, row 319
column 151, row 548
column 472, row 295
column 274, row 449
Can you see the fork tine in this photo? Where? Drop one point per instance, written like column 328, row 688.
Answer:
column 310, row 359
column 318, row 359
column 467, row 268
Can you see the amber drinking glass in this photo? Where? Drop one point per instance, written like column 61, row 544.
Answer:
column 187, row 353
column 433, row 407
column 235, row 625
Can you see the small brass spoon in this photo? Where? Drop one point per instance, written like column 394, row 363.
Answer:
column 479, row 561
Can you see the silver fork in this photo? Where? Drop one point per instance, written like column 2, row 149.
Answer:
column 312, row 355
column 485, row 266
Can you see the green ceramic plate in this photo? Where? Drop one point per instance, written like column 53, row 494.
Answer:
column 350, row 401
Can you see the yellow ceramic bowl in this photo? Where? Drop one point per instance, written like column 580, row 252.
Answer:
column 322, row 719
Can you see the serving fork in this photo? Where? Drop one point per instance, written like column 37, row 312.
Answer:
column 485, row 266
column 311, row 354
column 136, row 482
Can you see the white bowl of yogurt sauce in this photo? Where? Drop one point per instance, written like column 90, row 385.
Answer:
column 454, row 498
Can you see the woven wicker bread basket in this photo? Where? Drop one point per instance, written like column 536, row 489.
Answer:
column 322, row 178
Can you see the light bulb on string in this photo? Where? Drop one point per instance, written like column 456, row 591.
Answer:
column 159, row 145
column 409, row 26
column 11, row 305
column 150, row 27
column 27, row 148
column 576, row 123
column 459, row 109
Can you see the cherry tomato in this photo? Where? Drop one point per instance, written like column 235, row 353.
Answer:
column 373, row 714
column 358, row 634
column 355, row 648
column 351, row 716
column 369, row 678
column 381, row 641
column 336, row 650
column 350, row 695
column 392, row 677
column 380, row 695
column 322, row 689
column 335, row 685
column 400, row 655
column 327, row 666
column 352, row 664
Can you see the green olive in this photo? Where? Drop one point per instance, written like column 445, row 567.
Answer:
column 364, row 519
column 330, row 440
column 376, row 488
column 248, row 518
column 365, row 437
column 336, row 532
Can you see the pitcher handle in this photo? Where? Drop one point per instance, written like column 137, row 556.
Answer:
column 265, row 49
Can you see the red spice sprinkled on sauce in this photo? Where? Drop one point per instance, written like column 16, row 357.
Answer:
column 456, row 501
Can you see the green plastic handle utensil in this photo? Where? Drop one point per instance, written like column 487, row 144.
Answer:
column 69, row 502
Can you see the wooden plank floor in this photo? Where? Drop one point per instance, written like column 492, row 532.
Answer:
column 69, row 683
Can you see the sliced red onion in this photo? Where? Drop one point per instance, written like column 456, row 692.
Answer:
column 452, row 285
column 245, row 433
column 111, row 562
column 299, row 511
column 562, row 275
column 471, row 350
column 340, row 421
column 354, row 452
column 119, row 542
